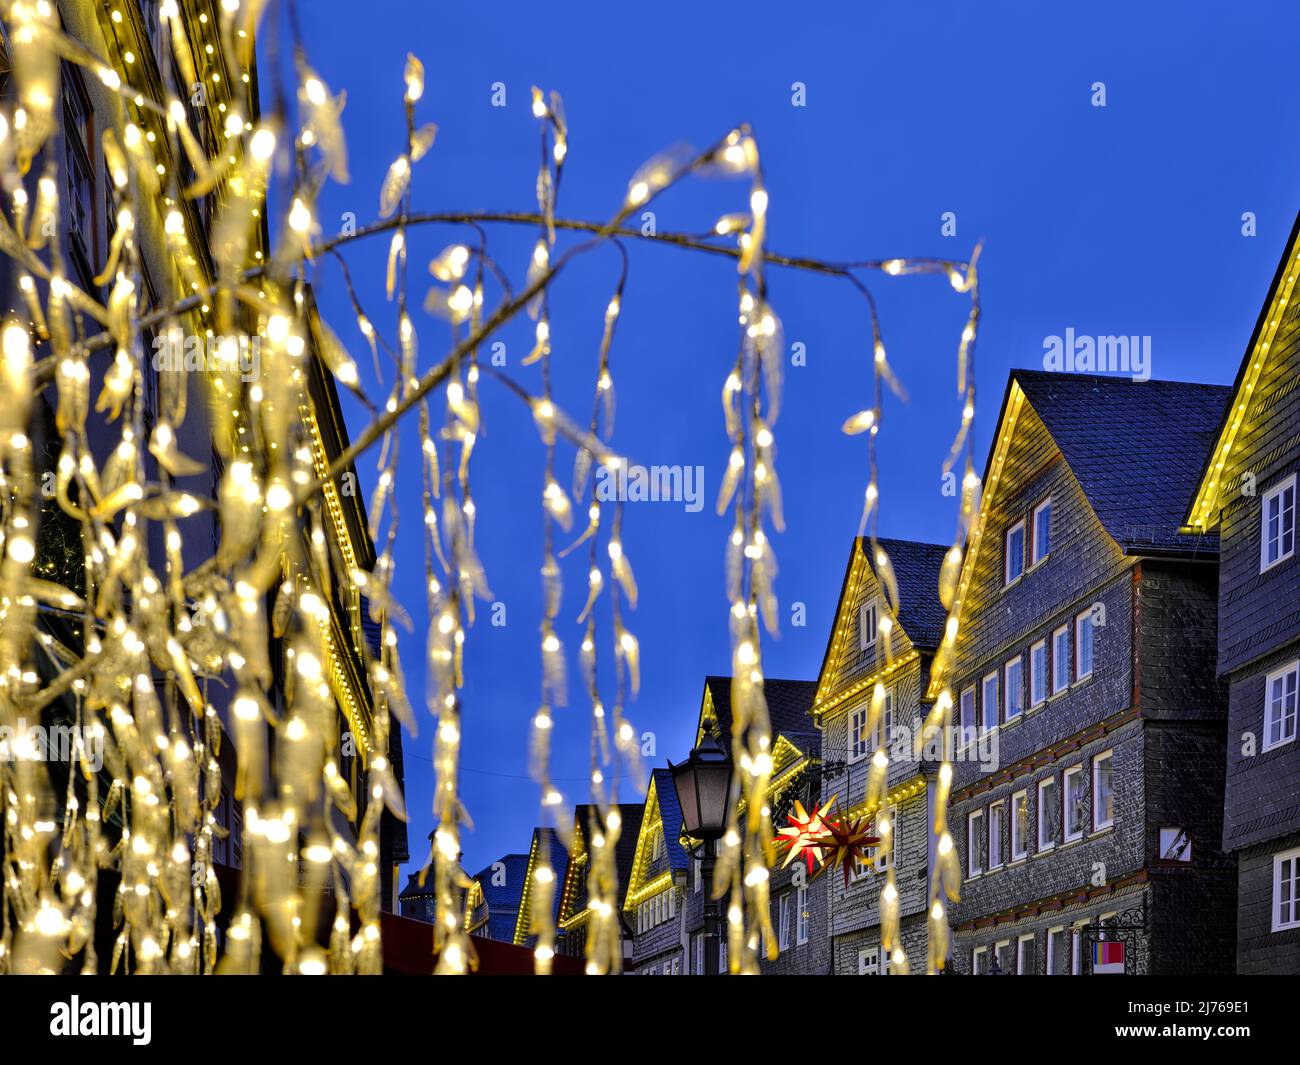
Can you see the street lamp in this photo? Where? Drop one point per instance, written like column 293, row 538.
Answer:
column 703, row 784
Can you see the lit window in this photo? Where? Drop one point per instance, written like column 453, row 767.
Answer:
column 1049, row 816
column 1280, row 706
column 1074, row 802
column 997, row 814
column 1277, row 532
column 1015, row 688
column 975, row 843
column 1060, row 659
column 1042, row 532
column 989, row 720
column 1038, row 673
column 867, row 617
column 1015, row 553
column 1286, row 890
column 1019, row 825
column 1103, row 792
column 1083, row 645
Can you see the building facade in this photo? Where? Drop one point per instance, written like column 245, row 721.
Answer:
column 1248, row 493
column 575, row 910
column 861, row 653
column 1087, row 792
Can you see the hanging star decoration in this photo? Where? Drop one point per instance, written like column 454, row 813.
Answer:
column 805, row 833
column 826, row 841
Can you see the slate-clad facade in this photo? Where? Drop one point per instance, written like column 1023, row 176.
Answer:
column 574, row 911
column 1086, row 791
column 1249, row 493
column 856, row 659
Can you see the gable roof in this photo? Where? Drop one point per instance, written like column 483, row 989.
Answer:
column 1203, row 509
column 1136, row 448
column 506, row 894
column 1132, row 446
column 788, row 703
column 920, row 614
column 574, row 899
column 545, row 841
column 670, row 813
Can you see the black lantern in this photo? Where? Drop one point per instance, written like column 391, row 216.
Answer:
column 703, row 784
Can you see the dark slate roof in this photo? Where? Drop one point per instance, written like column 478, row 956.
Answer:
column 506, row 894
column 788, row 703
column 631, row 814
column 413, row 890
column 916, row 570
column 671, row 813
column 1137, row 449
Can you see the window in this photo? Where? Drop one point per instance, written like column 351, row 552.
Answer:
column 887, row 719
column 967, row 716
column 1048, row 815
column 1061, row 659
column 1083, row 645
column 883, row 857
column 975, row 843
column 1280, row 706
column 1077, row 938
column 802, row 917
column 783, row 922
column 1002, row 954
column 1175, row 845
column 1038, row 673
column 1042, row 532
column 1057, row 957
column 869, row 961
column 1277, row 533
column 1019, row 825
column 997, row 814
column 697, row 953
column 1074, row 792
column 656, row 844
column 867, row 615
column 1286, row 890
column 989, row 719
column 1103, row 792
column 979, row 961
column 1015, row 554
column 1027, row 955
column 858, row 733
column 78, row 171
column 697, row 869
column 1015, row 688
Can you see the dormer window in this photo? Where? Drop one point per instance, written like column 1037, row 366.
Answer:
column 1015, row 552
column 1277, row 532
column 868, row 616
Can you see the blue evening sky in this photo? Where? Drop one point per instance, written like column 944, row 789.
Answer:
column 1118, row 220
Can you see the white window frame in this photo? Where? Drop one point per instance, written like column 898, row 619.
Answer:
column 868, row 632
column 1076, row 946
column 882, row 735
column 1097, row 824
column 866, row 965
column 968, row 736
column 1283, row 738
column 1037, row 698
column 1040, row 820
column 998, row 946
column 858, row 740
column 1049, row 955
column 1058, row 658
column 975, row 960
column 1007, row 579
column 1275, row 492
column 883, row 859
column 984, row 725
column 1001, row 807
column 1035, row 557
column 802, row 918
column 1278, row 923
column 972, row 846
column 1028, row 937
column 1070, row 773
column 697, row 867
column 1023, row 833
column 1018, row 664
column 1079, row 620
column 783, row 922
